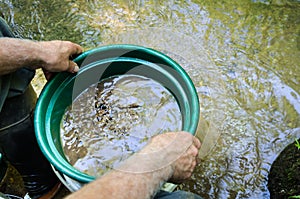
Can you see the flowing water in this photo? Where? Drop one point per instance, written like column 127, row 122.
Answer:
column 243, row 57
column 112, row 119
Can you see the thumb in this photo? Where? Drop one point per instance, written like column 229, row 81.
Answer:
column 73, row 67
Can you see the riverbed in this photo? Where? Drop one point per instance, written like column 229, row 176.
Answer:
column 243, row 57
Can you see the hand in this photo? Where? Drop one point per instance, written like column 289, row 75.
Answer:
column 167, row 156
column 56, row 56
column 184, row 166
column 175, row 150
column 52, row 56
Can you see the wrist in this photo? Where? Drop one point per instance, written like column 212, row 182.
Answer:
column 145, row 162
column 31, row 51
column 39, row 54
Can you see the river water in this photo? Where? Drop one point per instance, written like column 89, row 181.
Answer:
column 243, row 57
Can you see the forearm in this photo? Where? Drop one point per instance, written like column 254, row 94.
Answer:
column 140, row 176
column 119, row 184
column 169, row 156
column 53, row 56
column 18, row 53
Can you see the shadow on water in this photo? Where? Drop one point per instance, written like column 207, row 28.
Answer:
column 242, row 56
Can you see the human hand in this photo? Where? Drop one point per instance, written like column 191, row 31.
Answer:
column 56, row 56
column 184, row 166
column 173, row 154
column 182, row 149
column 167, row 156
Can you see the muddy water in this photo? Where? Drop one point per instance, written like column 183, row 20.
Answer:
column 112, row 119
column 242, row 55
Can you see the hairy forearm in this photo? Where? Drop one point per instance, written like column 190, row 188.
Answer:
column 138, row 177
column 52, row 56
column 124, row 185
column 118, row 184
column 169, row 156
column 18, row 53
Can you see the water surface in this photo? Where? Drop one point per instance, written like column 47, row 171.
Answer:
column 243, row 57
column 113, row 119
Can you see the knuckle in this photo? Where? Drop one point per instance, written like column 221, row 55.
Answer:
column 194, row 151
column 188, row 175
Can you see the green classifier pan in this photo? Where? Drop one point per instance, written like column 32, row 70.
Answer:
column 98, row 64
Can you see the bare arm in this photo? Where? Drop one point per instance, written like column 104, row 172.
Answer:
column 168, row 157
column 52, row 56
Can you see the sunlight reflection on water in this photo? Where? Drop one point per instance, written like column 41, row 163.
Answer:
column 242, row 56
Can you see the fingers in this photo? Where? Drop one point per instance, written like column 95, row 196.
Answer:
column 75, row 50
column 73, row 67
column 196, row 142
column 194, row 148
column 194, row 151
column 56, row 55
column 184, row 166
column 48, row 75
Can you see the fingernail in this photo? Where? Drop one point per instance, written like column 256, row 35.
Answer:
column 76, row 68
